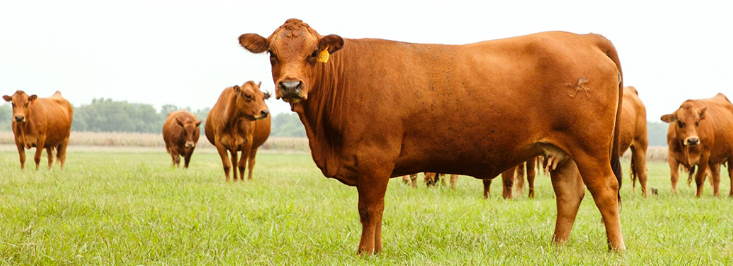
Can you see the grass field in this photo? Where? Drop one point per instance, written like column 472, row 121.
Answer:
column 112, row 207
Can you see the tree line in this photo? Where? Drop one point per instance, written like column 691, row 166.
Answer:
column 107, row 115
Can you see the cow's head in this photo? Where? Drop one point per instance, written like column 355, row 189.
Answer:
column 251, row 101
column 686, row 122
column 295, row 50
column 21, row 103
column 191, row 129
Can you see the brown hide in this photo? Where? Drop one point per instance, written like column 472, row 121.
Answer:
column 633, row 135
column 700, row 136
column 370, row 112
column 239, row 122
column 46, row 125
column 181, row 133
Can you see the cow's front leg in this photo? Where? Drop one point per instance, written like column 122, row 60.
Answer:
column 39, row 151
column 21, row 154
column 371, row 206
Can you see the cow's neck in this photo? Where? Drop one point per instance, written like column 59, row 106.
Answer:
column 323, row 114
column 232, row 114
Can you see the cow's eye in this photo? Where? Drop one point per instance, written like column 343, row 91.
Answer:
column 273, row 57
column 681, row 124
column 697, row 123
column 249, row 98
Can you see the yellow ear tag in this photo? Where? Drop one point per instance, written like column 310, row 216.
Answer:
column 323, row 56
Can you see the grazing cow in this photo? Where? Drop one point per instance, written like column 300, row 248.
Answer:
column 633, row 136
column 369, row 107
column 238, row 122
column 700, row 135
column 181, row 133
column 431, row 179
column 41, row 123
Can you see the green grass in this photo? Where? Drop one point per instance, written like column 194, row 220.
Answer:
column 133, row 208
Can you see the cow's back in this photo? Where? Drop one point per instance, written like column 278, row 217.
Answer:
column 56, row 113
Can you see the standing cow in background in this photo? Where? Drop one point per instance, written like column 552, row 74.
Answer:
column 370, row 109
column 634, row 136
column 181, row 133
column 43, row 123
column 700, row 135
column 239, row 122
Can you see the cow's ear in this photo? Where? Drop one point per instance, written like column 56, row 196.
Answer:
column 253, row 42
column 32, row 98
column 179, row 122
column 267, row 95
column 236, row 88
column 198, row 123
column 702, row 112
column 331, row 42
column 669, row 118
column 7, row 98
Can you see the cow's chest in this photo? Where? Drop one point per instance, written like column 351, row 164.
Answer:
column 232, row 141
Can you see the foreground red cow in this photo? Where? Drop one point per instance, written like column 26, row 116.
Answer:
column 41, row 123
column 181, row 133
column 370, row 109
column 700, row 135
column 238, row 122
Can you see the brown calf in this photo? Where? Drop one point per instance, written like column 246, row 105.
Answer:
column 181, row 133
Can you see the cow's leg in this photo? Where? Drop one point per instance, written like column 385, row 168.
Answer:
column 61, row 152
column 21, row 154
column 730, row 176
column 569, row 192
column 519, row 178
column 453, row 180
column 530, row 176
column 224, row 159
column 413, row 180
column 251, row 164
column 234, row 155
column 507, row 178
column 49, row 155
column 487, row 188
column 187, row 159
column 715, row 172
column 700, row 177
column 39, row 151
column 638, row 157
column 597, row 175
column 371, row 207
column 674, row 170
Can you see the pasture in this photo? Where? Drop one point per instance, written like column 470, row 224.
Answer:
column 130, row 207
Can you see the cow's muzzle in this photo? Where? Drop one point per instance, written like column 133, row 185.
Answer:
column 263, row 114
column 692, row 141
column 189, row 144
column 19, row 118
column 291, row 89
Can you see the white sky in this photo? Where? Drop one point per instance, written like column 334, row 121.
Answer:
column 185, row 53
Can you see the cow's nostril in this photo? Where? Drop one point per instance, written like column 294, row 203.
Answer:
column 19, row 118
column 264, row 113
column 693, row 141
column 289, row 85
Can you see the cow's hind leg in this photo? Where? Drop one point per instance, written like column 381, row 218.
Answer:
column 595, row 169
column 39, row 151
column 638, row 157
column 700, row 178
column 530, row 176
column 507, row 178
column 453, row 180
column 61, row 152
column 569, row 192
column 730, row 176
column 519, row 178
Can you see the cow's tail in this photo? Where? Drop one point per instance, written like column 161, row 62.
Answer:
column 607, row 47
column 634, row 174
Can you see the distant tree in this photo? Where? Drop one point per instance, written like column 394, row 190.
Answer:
column 287, row 125
column 5, row 114
column 657, row 132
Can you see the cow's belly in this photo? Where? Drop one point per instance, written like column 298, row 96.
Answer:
column 232, row 142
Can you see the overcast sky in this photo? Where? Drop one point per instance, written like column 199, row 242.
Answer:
column 185, row 53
